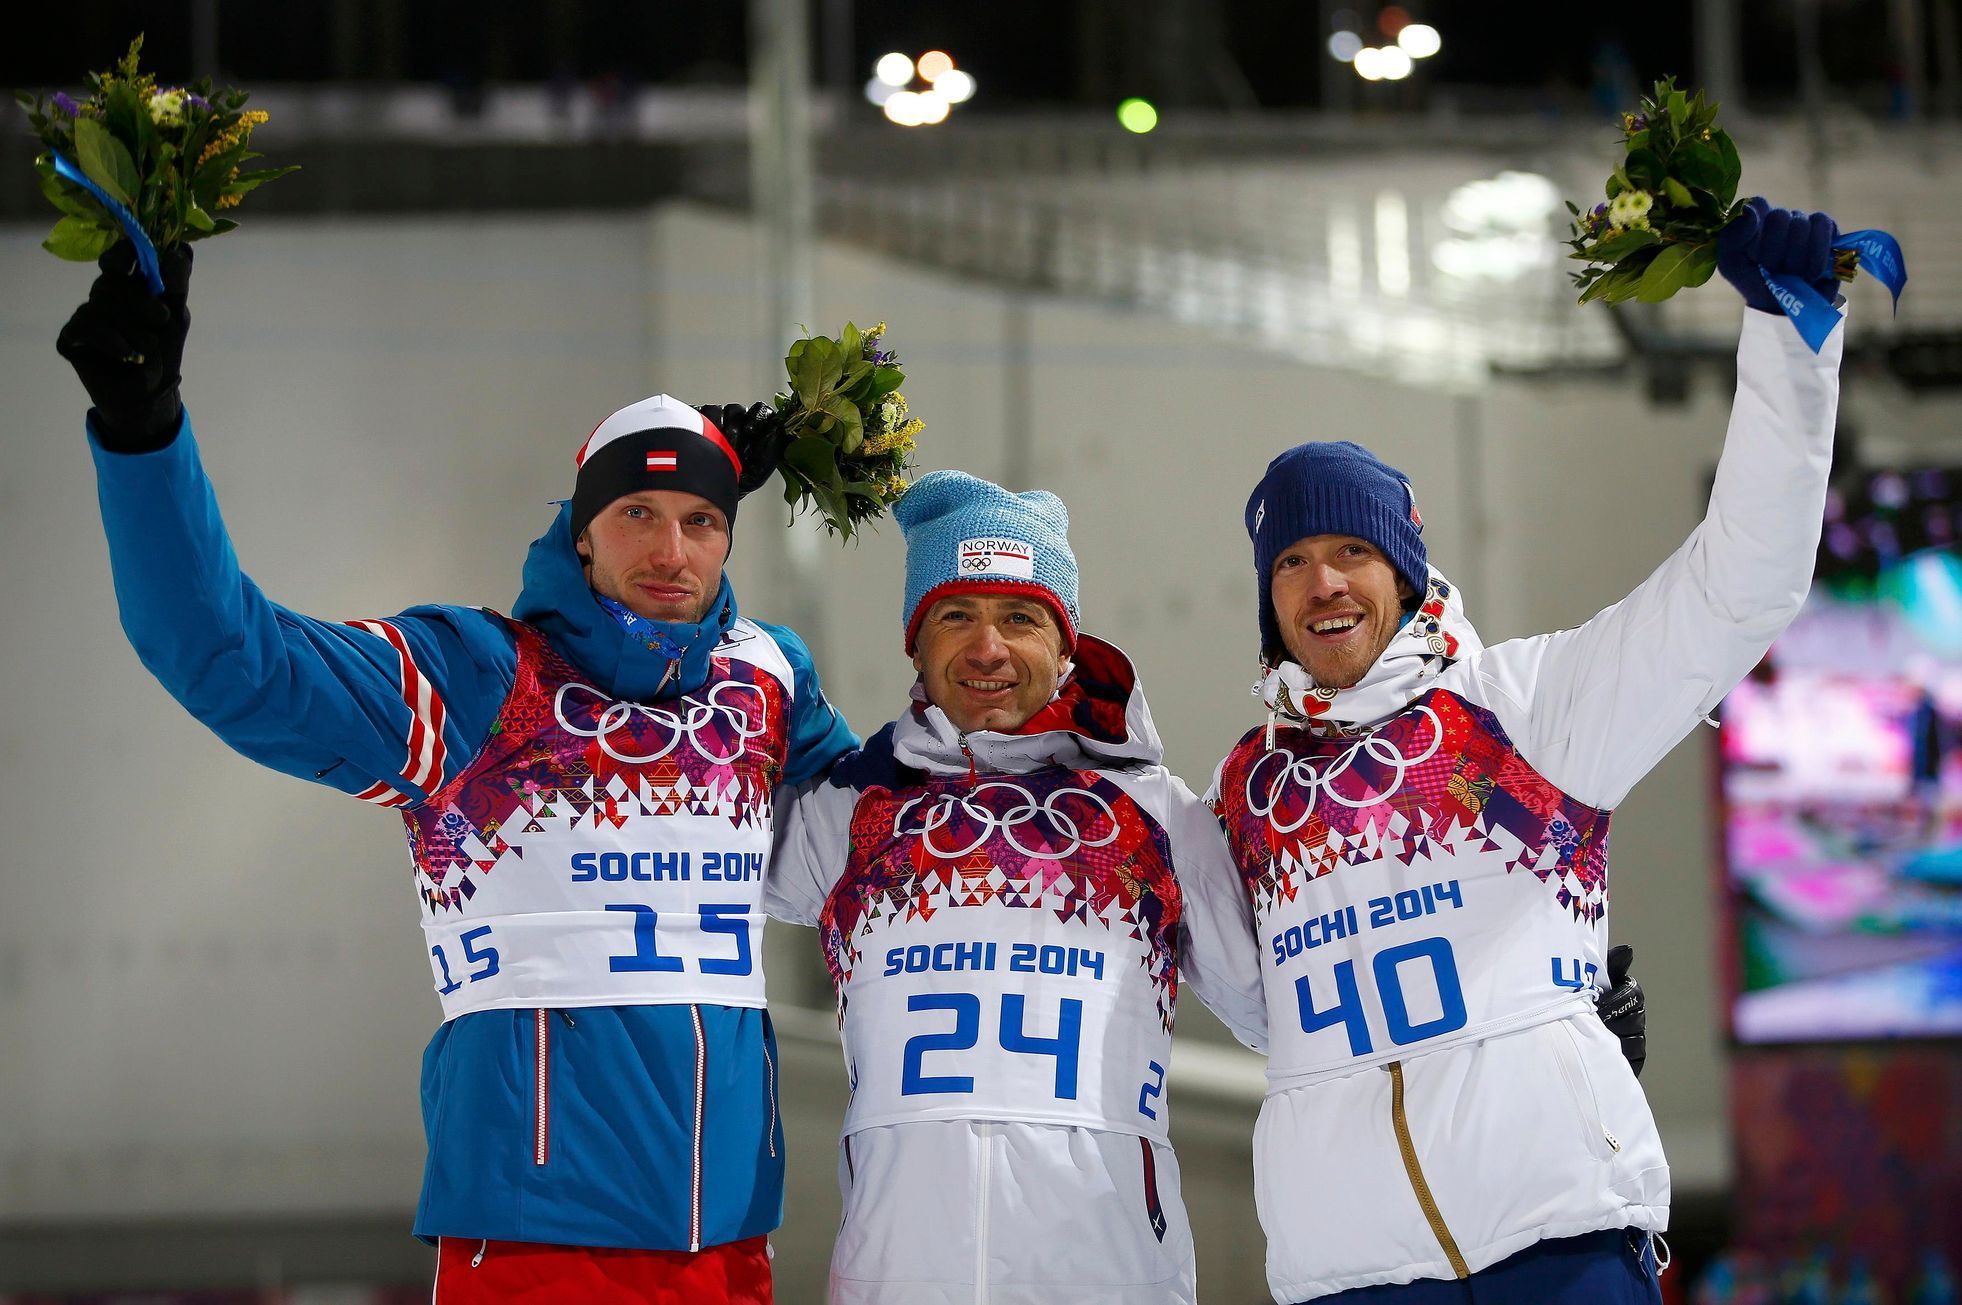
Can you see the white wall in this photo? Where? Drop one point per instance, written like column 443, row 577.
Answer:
column 212, row 995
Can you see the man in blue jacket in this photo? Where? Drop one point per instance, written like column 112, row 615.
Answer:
column 587, row 791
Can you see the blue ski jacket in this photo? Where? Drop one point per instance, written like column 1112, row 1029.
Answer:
column 324, row 701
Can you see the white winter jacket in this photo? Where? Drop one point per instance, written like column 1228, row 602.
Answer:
column 1008, row 918
column 1426, row 855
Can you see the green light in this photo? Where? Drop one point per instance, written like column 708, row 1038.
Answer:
column 1137, row 115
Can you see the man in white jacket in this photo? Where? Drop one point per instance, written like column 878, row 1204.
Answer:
column 1421, row 828
column 1009, row 887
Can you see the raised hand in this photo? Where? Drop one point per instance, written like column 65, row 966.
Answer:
column 1781, row 241
column 758, row 435
column 127, row 346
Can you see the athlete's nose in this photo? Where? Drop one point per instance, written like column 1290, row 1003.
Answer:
column 987, row 648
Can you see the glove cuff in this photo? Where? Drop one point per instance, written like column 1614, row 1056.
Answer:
column 147, row 431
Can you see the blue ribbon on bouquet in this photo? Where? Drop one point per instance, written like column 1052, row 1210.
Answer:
column 1811, row 312
column 146, row 253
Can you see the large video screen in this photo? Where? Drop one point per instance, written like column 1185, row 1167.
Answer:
column 1842, row 783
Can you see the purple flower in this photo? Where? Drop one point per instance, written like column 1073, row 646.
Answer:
column 196, row 101
column 65, row 106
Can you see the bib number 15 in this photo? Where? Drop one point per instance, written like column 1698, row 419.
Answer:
column 1388, row 971
column 1013, row 1036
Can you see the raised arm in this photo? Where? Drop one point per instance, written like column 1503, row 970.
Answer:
column 385, row 710
column 1594, row 708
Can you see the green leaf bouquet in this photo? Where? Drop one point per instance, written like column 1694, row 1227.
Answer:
column 174, row 157
column 1674, row 190
column 851, row 437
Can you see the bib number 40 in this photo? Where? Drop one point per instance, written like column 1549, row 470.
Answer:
column 1389, row 968
column 1013, row 1036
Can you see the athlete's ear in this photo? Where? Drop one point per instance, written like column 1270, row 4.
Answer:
column 584, row 546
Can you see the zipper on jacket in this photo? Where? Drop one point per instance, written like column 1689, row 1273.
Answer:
column 1415, row 1172
column 701, row 1091
column 973, row 770
column 770, row 1071
column 541, row 1137
column 982, row 1187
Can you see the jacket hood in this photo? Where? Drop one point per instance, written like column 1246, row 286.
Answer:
column 1435, row 636
column 1097, row 719
column 558, row 601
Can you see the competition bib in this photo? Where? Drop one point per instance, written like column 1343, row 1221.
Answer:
column 1006, row 949
column 601, row 852
column 1414, row 888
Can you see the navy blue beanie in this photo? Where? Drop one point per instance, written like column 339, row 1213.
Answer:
column 1333, row 488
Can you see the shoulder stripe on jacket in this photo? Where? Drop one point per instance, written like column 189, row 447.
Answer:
column 424, row 768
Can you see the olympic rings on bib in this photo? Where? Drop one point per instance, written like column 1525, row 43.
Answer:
column 747, row 722
column 1061, row 825
column 1316, row 776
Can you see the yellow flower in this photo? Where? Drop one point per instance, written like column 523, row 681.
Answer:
column 875, row 332
column 235, row 134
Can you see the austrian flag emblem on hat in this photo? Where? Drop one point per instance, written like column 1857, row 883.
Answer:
column 661, row 460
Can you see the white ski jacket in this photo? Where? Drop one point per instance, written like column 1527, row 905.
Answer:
column 1007, row 918
column 1426, row 856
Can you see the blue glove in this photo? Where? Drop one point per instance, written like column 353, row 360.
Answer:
column 1781, row 240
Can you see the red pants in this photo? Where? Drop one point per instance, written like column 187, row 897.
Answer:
column 482, row 1273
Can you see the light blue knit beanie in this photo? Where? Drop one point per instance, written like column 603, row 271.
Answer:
column 965, row 535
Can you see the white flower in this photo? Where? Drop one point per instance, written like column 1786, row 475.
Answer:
column 1630, row 209
column 889, row 414
column 167, row 108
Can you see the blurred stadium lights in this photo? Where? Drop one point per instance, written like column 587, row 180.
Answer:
column 1137, row 115
column 946, row 86
column 1419, row 40
column 956, row 85
column 1498, row 228
column 1385, row 63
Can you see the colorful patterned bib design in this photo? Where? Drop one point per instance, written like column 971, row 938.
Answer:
column 1020, row 904
column 615, row 848
column 1385, row 872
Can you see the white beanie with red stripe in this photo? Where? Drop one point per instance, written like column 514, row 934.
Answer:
column 657, row 443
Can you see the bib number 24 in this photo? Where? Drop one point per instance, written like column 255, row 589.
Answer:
column 1012, row 1035
column 1389, row 971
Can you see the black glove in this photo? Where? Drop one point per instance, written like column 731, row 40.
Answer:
column 1781, row 240
column 127, row 345
column 758, row 435
column 1621, row 1008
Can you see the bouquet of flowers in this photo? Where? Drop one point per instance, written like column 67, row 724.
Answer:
column 850, row 437
column 1675, row 189
column 157, row 165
